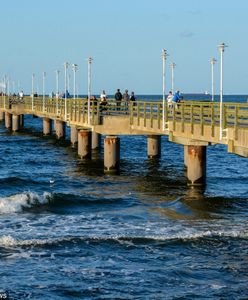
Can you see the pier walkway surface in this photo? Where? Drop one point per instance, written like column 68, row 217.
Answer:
column 193, row 124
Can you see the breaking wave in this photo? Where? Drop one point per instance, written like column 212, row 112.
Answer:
column 9, row 241
column 19, row 202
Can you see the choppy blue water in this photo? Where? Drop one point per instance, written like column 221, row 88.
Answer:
column 67, row 231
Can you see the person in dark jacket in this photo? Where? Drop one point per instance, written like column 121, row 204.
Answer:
column 118, row 98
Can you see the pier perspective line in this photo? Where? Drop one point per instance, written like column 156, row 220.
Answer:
column 193, row 124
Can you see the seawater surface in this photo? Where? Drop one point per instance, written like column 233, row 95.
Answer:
column 67, row 231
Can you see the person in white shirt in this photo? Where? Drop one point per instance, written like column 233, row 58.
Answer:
column 169, row 99
column 103, row 101
column 103, row 96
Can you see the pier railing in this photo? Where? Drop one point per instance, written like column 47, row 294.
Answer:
column 141, row 113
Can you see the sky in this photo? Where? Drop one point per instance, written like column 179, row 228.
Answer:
column 125, row 38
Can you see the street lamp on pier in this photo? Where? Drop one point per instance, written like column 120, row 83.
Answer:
column 89, row 86
column 221, row 48
column 173, row 65
column 66, row 64
column 43, row 85
column 212, row 61
column 33, row 91
column 74, row 68
column 57, row 90
column 4, row 90
column 164, row 56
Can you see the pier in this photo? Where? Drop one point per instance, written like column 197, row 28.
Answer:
column 195, row 125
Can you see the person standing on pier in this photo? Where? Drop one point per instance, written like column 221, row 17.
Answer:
column 126, row 100
column 132, row 100
column 169, row 99
column 103, row 101
column 118, row 98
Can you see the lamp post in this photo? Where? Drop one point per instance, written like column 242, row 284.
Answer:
column 66, row 64
column 221, row 49
column 173, row 65
column 43, row 92
column 164, row 56
column 8, row 88
column 68, row 82
column 212, row 61
column 89, row 86
column 74, row 68
column 57, row 90
column 33, row 91
column 4, row 90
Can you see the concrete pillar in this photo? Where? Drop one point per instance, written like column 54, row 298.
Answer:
column 111, row 155
column 74, row 136
column 185, row 156
column 1, row 115
column 196, row 165
column 59, row 129
column 84, row 144
column 154, row 146
column 96, row 140
column 15, row 122
column 47, row 126
column 21, row 121
column 8, row 120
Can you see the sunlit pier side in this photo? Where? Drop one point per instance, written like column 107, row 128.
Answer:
column 195, row 125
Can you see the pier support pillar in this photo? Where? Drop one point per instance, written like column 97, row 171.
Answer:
column 59, row 129
column 111, row 155
column 84, row 144
column 8, row 120
column 47, row 126
column 15, row 122
column 154, row 146
column 185, row 156
column 1, row 115
column 96, row 140
column 21, row 121
column 74, row 136
column 196, row 165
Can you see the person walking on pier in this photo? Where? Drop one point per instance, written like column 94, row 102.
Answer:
column 118, row 98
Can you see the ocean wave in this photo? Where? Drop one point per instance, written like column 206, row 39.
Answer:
column 8, row 241
column 17, row 203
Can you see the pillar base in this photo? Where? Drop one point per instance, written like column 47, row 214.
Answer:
column 60, row 129
column 8, row 120
column 154, row 146
column 47, row 126
column 84, row 144
column 111, row 155
column 15, row 123
column 74, row 136
column 1, row 115
column 96, row 140
column 196, row 165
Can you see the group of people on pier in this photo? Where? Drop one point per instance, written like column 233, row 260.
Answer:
column 173, row 99
column 125, row 98
column 121, row 100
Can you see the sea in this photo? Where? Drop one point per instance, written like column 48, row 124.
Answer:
column 68, row 231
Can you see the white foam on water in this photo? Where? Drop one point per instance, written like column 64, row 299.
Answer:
column 8, row 241
column 16, row 203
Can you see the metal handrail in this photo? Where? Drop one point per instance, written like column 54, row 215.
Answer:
column 235, row 115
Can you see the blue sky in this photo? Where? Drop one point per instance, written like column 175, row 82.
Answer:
column 125, row 39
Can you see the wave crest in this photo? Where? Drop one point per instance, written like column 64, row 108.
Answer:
column 16, row 203
column 9, row 241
